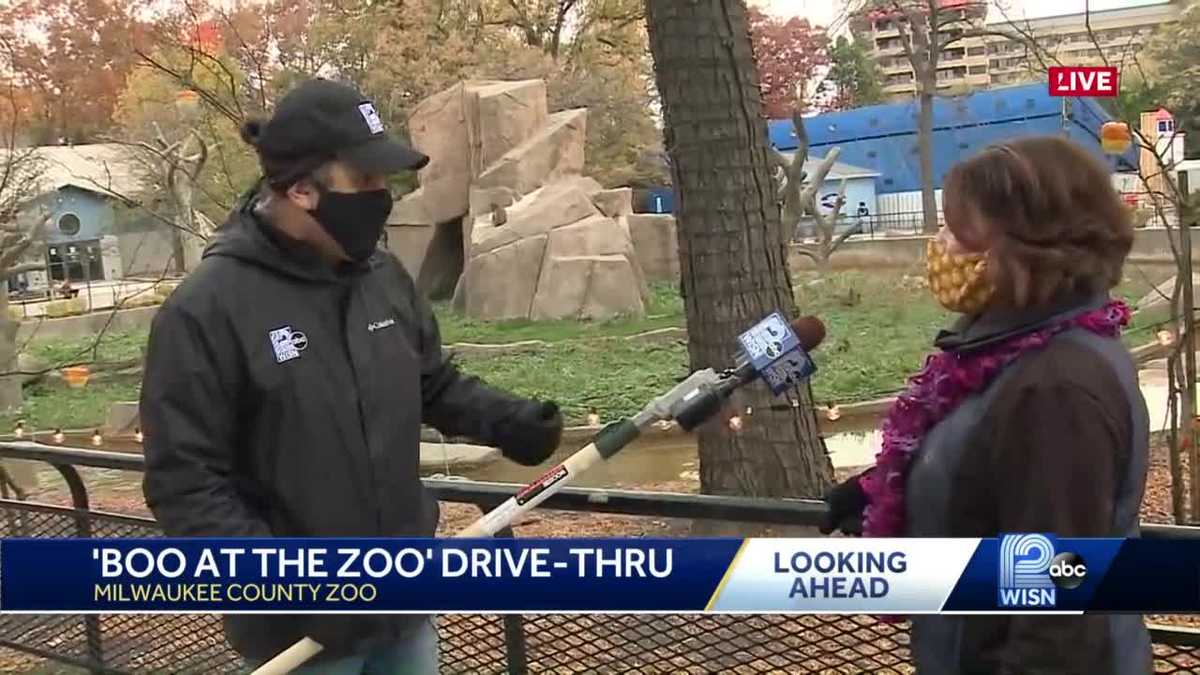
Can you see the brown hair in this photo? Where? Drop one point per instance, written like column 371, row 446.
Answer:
column 282, row 172
column 1046, row 210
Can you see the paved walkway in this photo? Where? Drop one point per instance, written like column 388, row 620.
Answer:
column 1153, row 381
column 853, row 449
column 443, row 457
column 858, row 449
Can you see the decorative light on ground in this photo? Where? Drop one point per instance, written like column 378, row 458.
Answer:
column 833, row 413
column 735, row 423
column 97, row 439
column 593, row 419
column 59, row 437
column 137, row 435
column 1166, row 338
column 19, row 432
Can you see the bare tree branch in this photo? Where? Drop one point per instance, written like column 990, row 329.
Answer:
column 25, row 267
column 90, row 354
column 827, row 223
column 808, row 251
column 799, row 194
column 260, row 67
column 14, row 244
column 1024, row 35
column 808, row 195
column 1087, row 23
column 168, row 164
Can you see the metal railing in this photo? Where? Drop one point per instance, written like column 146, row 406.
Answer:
column 872, row 226
column 97, row 296
column 487, row 643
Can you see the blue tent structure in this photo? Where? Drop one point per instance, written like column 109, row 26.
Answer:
column 884, row 137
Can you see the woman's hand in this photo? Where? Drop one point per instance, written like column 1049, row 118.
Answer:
column 846, row 502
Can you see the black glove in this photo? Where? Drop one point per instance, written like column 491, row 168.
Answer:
column 846, row 502
column 531, row 434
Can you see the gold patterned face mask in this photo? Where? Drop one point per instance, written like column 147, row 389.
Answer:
column 959, row 282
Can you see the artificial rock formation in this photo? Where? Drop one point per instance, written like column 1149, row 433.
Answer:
column 656, row 244
column 505, row 201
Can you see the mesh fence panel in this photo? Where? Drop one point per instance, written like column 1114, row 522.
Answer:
column 477, row 643
column 1170, row 658
column 129, row 643
column 715, row 643
column 472, row 644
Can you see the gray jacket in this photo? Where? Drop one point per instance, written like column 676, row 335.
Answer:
column 1057, row 444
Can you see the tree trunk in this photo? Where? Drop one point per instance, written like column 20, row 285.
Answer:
column 10, row 385
column 732, row 246
column 186, row 218
column 925, row 150
column 179, row 254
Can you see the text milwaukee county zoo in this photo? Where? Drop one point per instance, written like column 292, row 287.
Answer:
column 330, row 575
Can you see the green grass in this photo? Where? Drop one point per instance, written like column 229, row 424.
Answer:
column 113, row 347
column 872, row 346
column 53, row 405
column 1140, row 280
column 613, row 378
column 665, row 310
column 879, row 327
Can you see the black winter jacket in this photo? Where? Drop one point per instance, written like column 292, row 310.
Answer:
column 284, row 399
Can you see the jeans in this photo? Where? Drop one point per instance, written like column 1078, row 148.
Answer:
column 416, row 655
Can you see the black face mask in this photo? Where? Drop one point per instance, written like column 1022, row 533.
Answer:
column 354, row 219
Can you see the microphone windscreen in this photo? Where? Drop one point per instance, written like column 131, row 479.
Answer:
column 810, row 331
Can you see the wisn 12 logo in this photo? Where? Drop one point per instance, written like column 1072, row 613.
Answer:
column 1032, row 571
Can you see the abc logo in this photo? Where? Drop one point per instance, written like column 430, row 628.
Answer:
column 1068, row 570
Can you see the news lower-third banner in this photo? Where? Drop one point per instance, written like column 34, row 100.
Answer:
column 1013, row 573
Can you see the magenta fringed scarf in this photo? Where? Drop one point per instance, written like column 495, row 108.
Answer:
column 946, row 381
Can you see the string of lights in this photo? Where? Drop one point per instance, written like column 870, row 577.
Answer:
column 59, row 435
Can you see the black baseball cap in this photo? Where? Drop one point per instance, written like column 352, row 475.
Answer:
column 322, row 120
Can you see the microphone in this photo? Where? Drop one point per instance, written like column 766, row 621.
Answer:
column 809, row 332
column 772, row 350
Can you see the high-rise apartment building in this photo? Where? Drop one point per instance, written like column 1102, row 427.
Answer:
column 1115, row 35
column 982, row 61
column 962, row 65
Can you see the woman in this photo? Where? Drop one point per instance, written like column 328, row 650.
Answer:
column 1028, row 418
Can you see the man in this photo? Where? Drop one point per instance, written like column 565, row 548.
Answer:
column 287, row 378
column 860, row 217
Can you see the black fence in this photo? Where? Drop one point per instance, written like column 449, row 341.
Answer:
column 871, row 226
column 492, row 644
